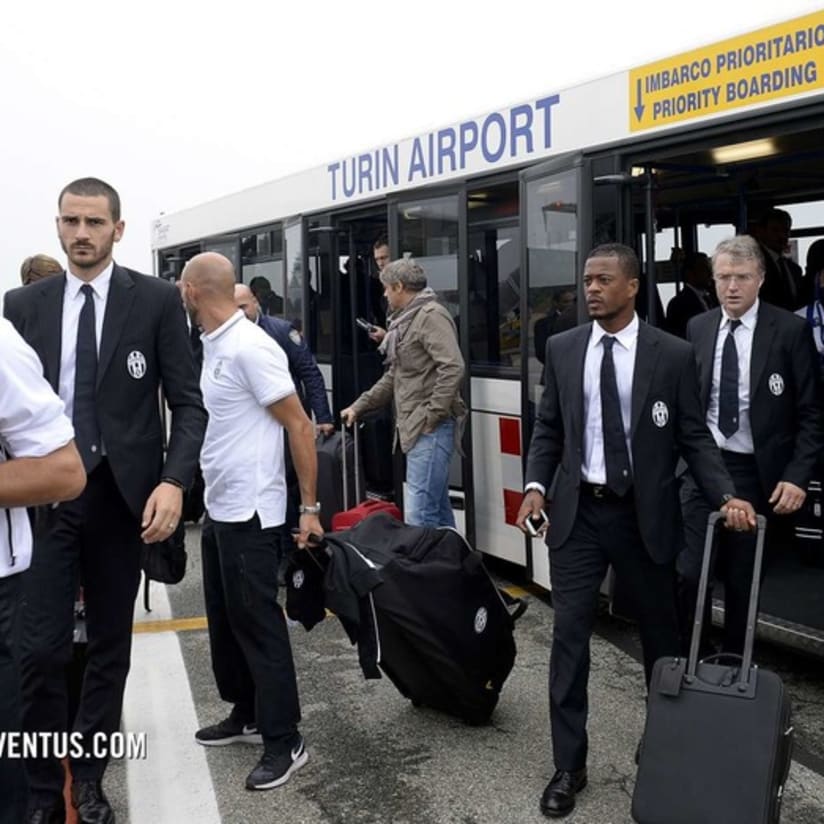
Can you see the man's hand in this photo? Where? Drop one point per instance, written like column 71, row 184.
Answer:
column 787, row 498
column 161, row 513
column 739, row 514
column 326, row 429
column 377, row 334
column 531, row 507
column 308, row 524
column 348, row 416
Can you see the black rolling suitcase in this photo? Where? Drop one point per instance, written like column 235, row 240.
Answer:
column 718, row 738
column 444, row 630
column 331, row 488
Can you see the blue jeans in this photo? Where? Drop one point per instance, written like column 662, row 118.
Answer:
column 427, row 477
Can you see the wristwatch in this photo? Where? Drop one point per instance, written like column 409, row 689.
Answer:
column 725, row 499
column 309, row 510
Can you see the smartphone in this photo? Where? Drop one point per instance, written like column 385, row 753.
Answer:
column 365, row 325
column 535, row 525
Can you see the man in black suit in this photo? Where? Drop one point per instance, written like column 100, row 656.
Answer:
column 620, row 405
column 693, row 297
column 784, row 284
column 760, row 391
column 108, row 339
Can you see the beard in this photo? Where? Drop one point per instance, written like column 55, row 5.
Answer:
column 87, row 255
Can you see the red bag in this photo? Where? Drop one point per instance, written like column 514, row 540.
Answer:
column 349, row 517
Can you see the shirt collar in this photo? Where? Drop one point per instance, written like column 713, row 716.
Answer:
column 748, row 319
column 100, row 284
column 626, row 337
column 224, row 327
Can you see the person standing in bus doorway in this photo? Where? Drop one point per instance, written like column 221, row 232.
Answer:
column 620, row 405
column 784, row 285
column 694, row 298
column 251, row 400
column 39, row 464
column 108, row 339
column 761, row 393
column 37, row 267
column 382, row 255
column 813, row 312
column 423, row 379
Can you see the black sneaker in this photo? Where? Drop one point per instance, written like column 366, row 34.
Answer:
column 274, row 769
column 228, row 731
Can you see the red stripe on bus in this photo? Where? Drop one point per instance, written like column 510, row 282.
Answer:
column 512, row 503
column 510, row 435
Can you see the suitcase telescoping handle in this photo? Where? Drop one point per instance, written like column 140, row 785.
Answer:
column 715, row 519
column 356, row 450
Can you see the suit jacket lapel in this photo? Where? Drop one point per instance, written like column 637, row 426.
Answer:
column 646, row 356
column 118, row 305
column 763, row 335
column 50, row 318
column 577, row 356
column 705, row 347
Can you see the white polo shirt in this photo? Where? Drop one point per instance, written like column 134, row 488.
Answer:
column 244, row 372
column 32, row 424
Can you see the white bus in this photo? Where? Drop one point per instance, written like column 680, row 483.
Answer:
column 500, row 209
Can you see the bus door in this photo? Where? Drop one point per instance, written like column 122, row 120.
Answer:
column 431, row 230
column 555, row 225
column 358, row 363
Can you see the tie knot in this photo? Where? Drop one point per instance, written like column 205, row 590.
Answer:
column 87, row 290
column 607, row 342
column 734, row 324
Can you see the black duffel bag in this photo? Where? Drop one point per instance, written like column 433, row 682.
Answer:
column 165, row 561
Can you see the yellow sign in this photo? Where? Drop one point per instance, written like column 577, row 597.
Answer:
column 771, row 63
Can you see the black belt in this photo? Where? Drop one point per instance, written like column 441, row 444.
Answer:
column 603, row 493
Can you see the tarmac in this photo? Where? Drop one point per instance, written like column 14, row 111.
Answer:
column 374, row 758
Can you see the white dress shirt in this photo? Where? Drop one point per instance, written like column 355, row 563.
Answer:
column 741, row 439
column 593, row 465
column 73, row 300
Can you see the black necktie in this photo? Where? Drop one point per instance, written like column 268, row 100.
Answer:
column 84, row 413
column 728, row 388
column 616, row 456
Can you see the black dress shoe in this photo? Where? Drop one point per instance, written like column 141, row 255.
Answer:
column 91, row 804
column 559, row 796
column 46, row 815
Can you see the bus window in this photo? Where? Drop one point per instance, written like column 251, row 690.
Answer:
column 293, row 242
column 226, row 247
column 494, row 277
column 429, row 233
column 261, row 257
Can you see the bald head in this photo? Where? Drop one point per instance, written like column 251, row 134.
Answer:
column 212, row 274
column 208, row 288
column 246, row 301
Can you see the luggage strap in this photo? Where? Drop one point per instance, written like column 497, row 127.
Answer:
column 752, row 613
column 515, row 606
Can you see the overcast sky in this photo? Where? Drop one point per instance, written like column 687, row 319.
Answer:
column 176, row 103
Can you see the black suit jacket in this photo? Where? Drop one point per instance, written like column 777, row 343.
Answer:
column 143, row 315
column 776, row 290
column 685, row 305
column 667, row 422
column 785, row 392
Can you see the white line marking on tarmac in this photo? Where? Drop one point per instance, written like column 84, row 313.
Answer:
column 173, row 783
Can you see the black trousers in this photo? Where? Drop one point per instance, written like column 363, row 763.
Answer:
column 13, row 784
column 251, row 654
column 605, row 532
column 97, row 538
column 732, row 560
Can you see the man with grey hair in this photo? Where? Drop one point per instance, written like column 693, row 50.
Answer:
column 423, row 379
column 760, row 388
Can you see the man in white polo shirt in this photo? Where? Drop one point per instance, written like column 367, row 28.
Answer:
column 251, row 400
column 38, row 464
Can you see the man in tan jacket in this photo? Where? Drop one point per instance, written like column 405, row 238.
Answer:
column 423, row 378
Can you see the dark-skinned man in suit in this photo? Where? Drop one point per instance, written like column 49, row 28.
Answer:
column 620, row 405
column 108, row 339
column 760, row 390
